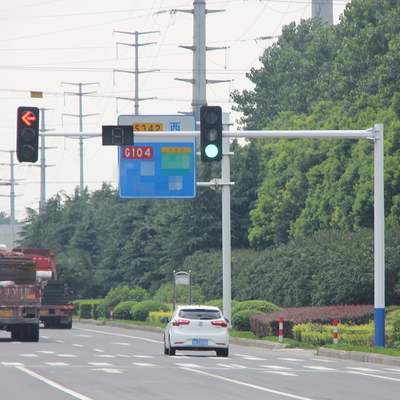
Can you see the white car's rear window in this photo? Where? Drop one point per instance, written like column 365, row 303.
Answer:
column 200, row 314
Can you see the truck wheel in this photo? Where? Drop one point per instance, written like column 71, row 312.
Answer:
column 66, row 326
column 33, row 332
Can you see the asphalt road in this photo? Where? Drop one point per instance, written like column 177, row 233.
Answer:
column 103, row 362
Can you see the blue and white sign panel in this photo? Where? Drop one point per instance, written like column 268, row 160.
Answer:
column 158, row 167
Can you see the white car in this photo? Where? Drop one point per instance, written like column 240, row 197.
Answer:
column 196, row 328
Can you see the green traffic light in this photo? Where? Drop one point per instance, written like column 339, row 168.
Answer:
column 211, row 151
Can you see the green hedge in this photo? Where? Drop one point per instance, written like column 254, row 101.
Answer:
column 141, row 311
column 263, row 306
column 123, row 310
column 88, row 309
column 319, row 335
column 241, row 320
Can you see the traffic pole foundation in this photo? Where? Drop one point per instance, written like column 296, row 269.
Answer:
column 280, row 329
column 111, row 312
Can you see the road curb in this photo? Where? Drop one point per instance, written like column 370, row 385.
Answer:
column 359, row 356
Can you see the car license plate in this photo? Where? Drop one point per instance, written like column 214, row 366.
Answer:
column 199, row 342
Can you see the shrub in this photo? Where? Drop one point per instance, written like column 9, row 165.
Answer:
column 394, row 333
column 123, row 310
column 319, row 335
column 260, row 305
column 120, row 294
column 141, row 311
column 241, row 320
column 96, row 308
column 155, row 316
column 268, row 325
column 220, row 303
column 165, row 294
column 85, row 310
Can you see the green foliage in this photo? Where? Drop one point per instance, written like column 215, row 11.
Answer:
column 141, row 311
column 155, row 316
column 85, row 310
column 123, row 310
column 241, row 319
column 261, row 305
column 121, row 294
column 394, row 333
column 220, row 303
column 319, row 335
column 165, row 294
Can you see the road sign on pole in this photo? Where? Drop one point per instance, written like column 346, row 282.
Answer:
column 158, row 167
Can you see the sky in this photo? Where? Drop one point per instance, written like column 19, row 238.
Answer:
column 51, row 46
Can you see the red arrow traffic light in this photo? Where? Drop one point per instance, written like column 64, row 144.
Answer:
column 27, row 134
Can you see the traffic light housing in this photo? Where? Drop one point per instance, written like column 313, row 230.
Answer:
column 27, row 134
column 211, row 133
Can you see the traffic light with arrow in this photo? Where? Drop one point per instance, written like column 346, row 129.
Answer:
column 27, row 134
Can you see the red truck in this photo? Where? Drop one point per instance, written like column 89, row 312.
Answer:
column 56, row 309
column 20, row 296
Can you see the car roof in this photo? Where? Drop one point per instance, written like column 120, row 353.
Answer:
column 200, row 307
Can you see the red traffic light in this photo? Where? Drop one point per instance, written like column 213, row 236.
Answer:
column 27, row 134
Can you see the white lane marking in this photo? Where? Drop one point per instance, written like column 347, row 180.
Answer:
column 44, row 337
column 120, row 344
column 83, row 335
column 60, row 341
column 54, row 384
column 56, row 364
column 109, row 370
column 263, row 389
column 11, row 364
column 363, row 369
column 138, row 356
column 144, row 364
column 319, row 368
column 189, row 365
column 105, row 355
column 392, row 369
column 275, row 367
column 123, row 355
column 290, row 359
column 374, row 376
column 28, row 355
column 99, row 350
column 180, row 357
column 121, row 335
column 78, row 345
column 232, row 366
column 66, row 355
column 45, row 351
column 280, row 373
column 100, row 364
column 321, row 360
column 251, row 358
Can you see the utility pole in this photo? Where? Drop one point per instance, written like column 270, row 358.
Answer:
column 43, row 161
column 323, row 9
column 136, row 99
column 199, row 48
column 80, row 116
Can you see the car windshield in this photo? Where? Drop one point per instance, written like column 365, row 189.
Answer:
column 200, row 314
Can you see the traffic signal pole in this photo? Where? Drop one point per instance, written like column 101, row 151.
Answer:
column 374, row 135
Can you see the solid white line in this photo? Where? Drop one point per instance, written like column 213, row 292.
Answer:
column 53, row 384
column 374, row 376
column 264, row 389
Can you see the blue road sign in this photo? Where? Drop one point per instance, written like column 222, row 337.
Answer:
column 158, row 167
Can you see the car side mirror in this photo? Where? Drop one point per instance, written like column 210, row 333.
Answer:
column 227, row 320
column 165, row 320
